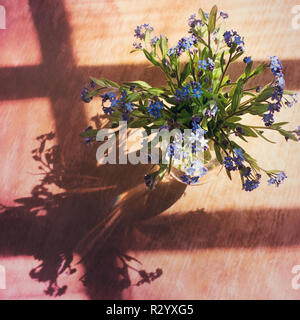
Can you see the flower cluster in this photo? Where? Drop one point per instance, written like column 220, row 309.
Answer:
column 184, row 44
column 140, row 33
column 233, row 38
column 191, row 90
column 200, row 96
column 277, row 95
column 252, row 183
column 154, row 108
column 206, row 64
column 193, row 22
column 124, row 106
column 277, row 179
column 235, row 162
column 84, row 95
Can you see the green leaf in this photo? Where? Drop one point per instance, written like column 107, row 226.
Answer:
column 202, row 15
column 163, row 46
column 100, row 83
column 92, row 93
column 222, row 61
column 207, row 155
column 228, row 174
column 133, row 96
column 234, row 119
column 262, row 136
column 202, row 41
column 237, row 95
column 264, row 94
column 232, row 49
column 251, row 161
column 258, row 108
column 155, row 91
column 278, row 124
column 185, row 72
column 287, row 135
column 147, row 36
column 204, row 124
column 218, row 153
column 135, row 50
column 138, row 123
column 110, row 83
column 212, row 19
column 259, row 69
column 150, row 58
column 248, row 68
column 140, row 84
column 236, row 56
column 248, row 132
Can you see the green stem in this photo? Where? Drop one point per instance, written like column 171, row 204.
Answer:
column 224, row 72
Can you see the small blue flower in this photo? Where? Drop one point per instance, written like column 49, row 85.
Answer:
column 227, row 37
column 250, row 185
column 197, row 93
column 228, row 163
column 224, row 15
column 137, row 45
column 108, row 110
column 203, row 172
column 172, row 51
column 124, row 94
column 238, row 161
column 129, row 106
column 171, row 150
column 275, row 66
column 203, row 64
column 153, row 41
column 195, row 179
column 210, row 64
column 238, row 40
column 272, row 107
column 84, row 94
column 214, row 111
column 193, row 22
column 268, row 119
column 247, row 60
column 183, row 94
column 239, row 152
column 184, row 178
column 111, row 96
column 154, row 108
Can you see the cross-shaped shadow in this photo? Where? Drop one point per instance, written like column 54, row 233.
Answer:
column 90, row 191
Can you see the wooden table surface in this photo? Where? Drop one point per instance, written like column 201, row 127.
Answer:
column 212, row 242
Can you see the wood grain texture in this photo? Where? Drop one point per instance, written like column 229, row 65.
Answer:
column 212, row 242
